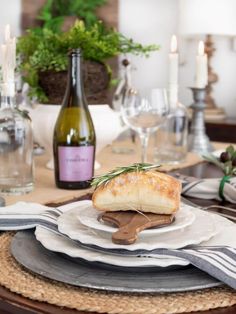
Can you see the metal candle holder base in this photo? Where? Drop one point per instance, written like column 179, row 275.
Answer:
column 198, row 141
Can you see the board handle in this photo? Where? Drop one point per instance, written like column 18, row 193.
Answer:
column 125, row 235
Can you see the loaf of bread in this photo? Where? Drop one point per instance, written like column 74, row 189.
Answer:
column 145, row 191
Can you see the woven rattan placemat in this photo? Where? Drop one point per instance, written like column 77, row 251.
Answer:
column 17, row 279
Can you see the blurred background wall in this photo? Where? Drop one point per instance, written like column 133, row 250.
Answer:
column 154, row 21
column 10, row 13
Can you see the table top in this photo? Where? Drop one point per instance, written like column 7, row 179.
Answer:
column 46, row 192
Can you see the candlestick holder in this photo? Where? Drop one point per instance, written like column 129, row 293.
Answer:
column 198, row 141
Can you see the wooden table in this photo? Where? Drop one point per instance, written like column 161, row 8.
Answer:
column 45, row 192
column 13, row 304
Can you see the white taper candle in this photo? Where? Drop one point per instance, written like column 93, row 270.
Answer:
column 7, row 33
column 8, row 51
column 173, row 61
column 201, row 67
column 173, row 72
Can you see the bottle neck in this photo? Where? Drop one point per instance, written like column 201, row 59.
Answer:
column 75, row 87
column 7, row 102
column 127, row 76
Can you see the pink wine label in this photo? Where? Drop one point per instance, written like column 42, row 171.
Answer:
column 75, row 163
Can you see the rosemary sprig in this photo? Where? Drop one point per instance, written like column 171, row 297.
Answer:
column 105, row 178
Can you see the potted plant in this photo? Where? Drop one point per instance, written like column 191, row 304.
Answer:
column 43, row 55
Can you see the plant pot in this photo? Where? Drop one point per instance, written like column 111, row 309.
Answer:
column 106, row 122
column 96, row 83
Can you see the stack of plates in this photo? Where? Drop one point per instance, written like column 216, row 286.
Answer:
column 90, row 259
column 90, row 239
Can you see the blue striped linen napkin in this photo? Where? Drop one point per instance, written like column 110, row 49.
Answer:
column 217, row 261
column 24, row 215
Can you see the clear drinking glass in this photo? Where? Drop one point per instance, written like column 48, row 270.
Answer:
column 171, row 138
column 144, row 114
column 16, row 149
column 2, row 202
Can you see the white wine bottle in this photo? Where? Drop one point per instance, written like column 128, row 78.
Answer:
column 74, row 135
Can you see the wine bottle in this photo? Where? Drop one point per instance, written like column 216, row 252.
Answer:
column 74, row 135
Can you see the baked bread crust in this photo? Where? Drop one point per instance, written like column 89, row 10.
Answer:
column 145, row 191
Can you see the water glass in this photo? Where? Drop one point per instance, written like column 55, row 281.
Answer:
column 2, row 202
column 16, row 149
column 171, row 138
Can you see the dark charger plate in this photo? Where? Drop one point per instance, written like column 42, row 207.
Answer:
column 32, row 255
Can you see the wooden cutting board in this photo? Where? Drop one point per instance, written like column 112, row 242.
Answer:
column 130, row 223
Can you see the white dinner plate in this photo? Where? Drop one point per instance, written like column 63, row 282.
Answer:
column 202, row 229
column 56, row 243
column 89, row 217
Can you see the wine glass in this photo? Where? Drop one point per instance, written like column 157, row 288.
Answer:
column 145, row 113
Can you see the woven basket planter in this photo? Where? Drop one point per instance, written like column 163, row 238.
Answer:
column 96, row 82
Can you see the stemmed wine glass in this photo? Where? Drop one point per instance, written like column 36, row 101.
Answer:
column 145, row 113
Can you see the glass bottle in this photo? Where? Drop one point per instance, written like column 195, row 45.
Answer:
column 74, row 135
column 123, row 90
column 171, row 138
column 16, row 149
column 124, row 87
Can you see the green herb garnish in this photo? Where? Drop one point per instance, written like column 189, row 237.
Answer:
column 105, row 178
column 226, row 161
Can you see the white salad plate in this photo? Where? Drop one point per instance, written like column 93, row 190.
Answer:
column 56, row 243
column 89, row 217
column 203, row 228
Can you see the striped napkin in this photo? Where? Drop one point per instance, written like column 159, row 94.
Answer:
column 207, row 188
column 23, row 215
column 216, row 260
